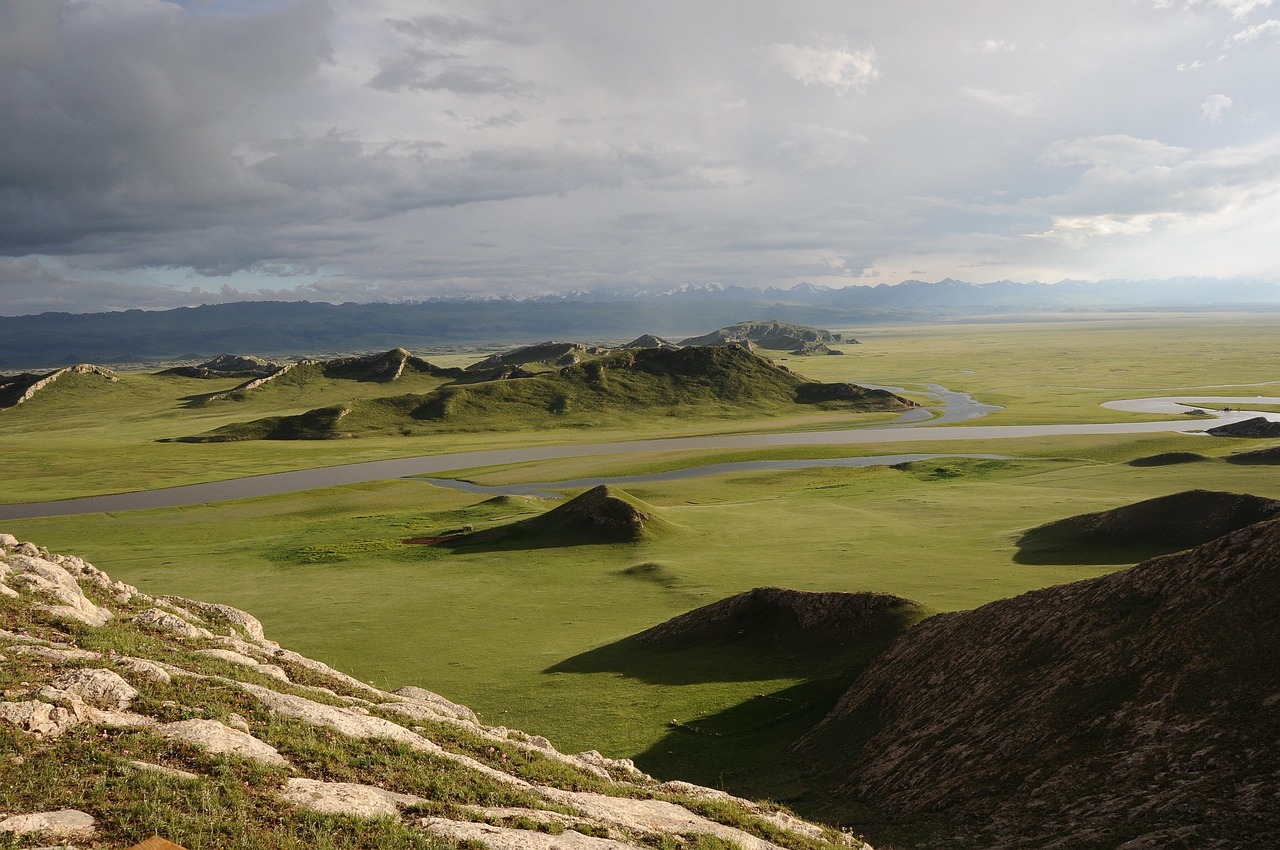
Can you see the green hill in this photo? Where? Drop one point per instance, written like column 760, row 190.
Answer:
column 548, row 355
column 395, row 366
column 774, row 335
column 702, row 381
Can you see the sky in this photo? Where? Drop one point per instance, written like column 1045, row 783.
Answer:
column 156, row 154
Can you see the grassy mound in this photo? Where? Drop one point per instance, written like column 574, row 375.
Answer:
column 1151, row 527
column 601, row 515
column 1267, row 457
column 778, row 336
column 650, row 341
column 775, row 617
column 652, row 572
column 707, row 381
column 226, row 366
column 1167, row 459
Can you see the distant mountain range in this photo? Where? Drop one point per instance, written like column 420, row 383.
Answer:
column 277, row 327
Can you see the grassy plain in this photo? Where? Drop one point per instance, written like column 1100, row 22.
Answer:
column 327, row 573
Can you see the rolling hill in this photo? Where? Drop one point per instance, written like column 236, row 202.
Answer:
column 710, row 381
column 774, row 335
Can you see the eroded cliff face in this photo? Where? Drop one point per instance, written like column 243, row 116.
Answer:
column 125, row 715
column 1140, row 709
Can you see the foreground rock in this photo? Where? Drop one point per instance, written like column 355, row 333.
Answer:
column 215, row 707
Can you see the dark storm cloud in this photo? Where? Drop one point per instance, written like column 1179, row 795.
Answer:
column 391, row 148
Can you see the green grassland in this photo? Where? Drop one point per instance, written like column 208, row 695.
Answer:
column 329, row 575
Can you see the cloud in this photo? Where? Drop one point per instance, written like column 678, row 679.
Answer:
column 840, row 69
column 1214, row 107
column 1239, row 8
column 457, row 30
column 1255, row 32
column 1023, row 105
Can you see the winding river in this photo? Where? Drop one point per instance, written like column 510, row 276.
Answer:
column 959, row 407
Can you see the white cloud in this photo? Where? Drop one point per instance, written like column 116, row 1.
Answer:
column 840, row 69
column 1241, row 8
column 1214, row 107
column 1255, row 32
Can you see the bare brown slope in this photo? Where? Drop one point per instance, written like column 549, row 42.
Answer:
column 1143, row 705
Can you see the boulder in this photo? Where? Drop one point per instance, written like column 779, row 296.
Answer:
column 99, row 688
column 47, row 578
column 65, row 823
column 345, row 798
column 219, row 739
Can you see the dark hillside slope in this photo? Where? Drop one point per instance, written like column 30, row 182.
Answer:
column 1144, row 529
column 1142, row 706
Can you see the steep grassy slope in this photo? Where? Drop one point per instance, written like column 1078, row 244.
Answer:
column 706, row 381
column 1140, row 706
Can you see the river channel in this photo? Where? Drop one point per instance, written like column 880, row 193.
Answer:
column 900, row 431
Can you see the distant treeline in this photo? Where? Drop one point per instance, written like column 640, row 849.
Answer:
column 283, row 328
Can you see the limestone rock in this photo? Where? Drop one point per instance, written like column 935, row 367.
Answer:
column 244, row 660
column 438, row 703
column 144, row 668
column 505, row 838
column 247, row 622
column 344, row 720
column 56, row 654
column 219, row 739
column 99, row 688
column 611, row 767
column 41, row 719
column 66, row 823
column 345, row 798
column 651, row 816
column 323, row 669
column 51, row 580
column 158, row 620
column 8, row 541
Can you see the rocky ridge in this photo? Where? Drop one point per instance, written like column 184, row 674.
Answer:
column 212, row 697
column 16, row 389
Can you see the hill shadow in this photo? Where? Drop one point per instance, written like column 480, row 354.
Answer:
column 763, row 634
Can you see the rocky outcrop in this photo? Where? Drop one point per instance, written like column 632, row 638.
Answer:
column 68, row 824
column 16, row 389
column 211, row 658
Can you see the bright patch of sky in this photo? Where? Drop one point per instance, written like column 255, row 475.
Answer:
column 156, row 154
